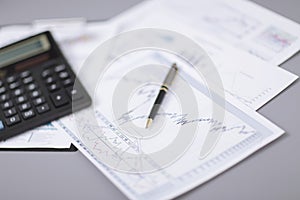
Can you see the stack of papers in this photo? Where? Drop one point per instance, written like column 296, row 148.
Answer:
column 246, row 49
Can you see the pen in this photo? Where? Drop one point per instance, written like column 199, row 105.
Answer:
column 162, row 92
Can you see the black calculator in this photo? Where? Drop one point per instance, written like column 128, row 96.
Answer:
column 36, row 85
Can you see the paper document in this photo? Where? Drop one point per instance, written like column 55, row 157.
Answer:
column 243, row 132
column 46, row 136
column 239, row 23
column 244, row 77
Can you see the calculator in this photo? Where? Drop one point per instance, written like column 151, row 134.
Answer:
column 36, row 85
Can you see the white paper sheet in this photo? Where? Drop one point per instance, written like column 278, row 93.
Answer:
column 241, row 71
column 239, row 23
column 46, row 136
column 244, row 77
column 245, row 131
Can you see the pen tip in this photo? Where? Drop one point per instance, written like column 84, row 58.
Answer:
column 149, row 121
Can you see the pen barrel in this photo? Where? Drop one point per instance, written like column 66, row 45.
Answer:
column 170, row 76
column 158, row 101
column 163, row 90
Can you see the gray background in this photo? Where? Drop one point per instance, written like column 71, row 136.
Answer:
column 271, row 173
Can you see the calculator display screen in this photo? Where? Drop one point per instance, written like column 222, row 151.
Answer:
column 24, row 50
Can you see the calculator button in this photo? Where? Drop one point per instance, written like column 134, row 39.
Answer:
column 18, row 92
column 10, row 112
column 38, row 101
column 1, row 125
column 50, row 80
column 32, row 86
column 7, row 104
column 21, row 99
column 46, row 73
column 43, row 108
column 27, row 80
column 35, row 94
column 63, row 75
column 12, row 120
column 4, row 97
column 25, row 74
column 24, row 106
column 59, row 98
column 59, row 68
column 68, row 82
column 11, row 79
column 28, row 114
column 74, row 93
column 2, row 90
column 53, row 87
column 14, row 85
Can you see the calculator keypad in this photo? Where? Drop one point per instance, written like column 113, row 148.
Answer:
column 55, row 79
column 22, row 99
column 14, row 99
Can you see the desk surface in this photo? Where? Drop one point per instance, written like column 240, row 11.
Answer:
column 271, row 173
